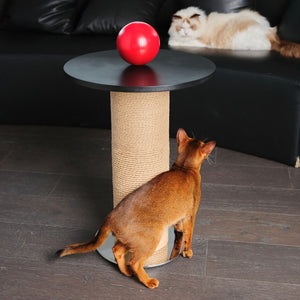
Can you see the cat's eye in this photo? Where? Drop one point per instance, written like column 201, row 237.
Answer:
column 176, row 17
column 195, row 16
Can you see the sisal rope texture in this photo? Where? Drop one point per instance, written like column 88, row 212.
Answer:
column 140, row 147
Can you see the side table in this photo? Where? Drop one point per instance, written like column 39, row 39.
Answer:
column 140, row 98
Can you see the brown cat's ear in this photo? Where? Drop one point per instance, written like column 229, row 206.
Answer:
column 208, row 148
column 181, row 136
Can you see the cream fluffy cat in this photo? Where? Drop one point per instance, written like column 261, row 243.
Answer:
column 244, row 30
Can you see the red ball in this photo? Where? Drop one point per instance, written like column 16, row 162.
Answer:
column 138, row 43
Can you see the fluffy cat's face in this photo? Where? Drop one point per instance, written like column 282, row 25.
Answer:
column 187, row 22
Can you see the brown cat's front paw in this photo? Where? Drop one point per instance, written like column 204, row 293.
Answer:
column 152, row 283
column 187, row 253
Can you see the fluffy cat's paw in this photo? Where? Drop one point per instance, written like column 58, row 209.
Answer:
column 187, row 253
column 152, row 283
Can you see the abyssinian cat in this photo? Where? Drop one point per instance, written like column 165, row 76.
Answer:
column 244, row 30
column 138, row 221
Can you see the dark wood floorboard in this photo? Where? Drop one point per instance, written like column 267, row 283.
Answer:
column 251, row 227
column 251, row 199
column 251, row 261
column 55, row 189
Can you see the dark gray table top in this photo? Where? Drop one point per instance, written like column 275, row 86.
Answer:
column 170, row 70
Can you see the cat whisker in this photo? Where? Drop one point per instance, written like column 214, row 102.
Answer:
column 194, row 136
column 210, row 160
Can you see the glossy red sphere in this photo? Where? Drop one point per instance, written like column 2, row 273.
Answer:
column 138, row 43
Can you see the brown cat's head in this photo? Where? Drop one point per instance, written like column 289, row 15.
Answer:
column 191, row 152
column 186, row 23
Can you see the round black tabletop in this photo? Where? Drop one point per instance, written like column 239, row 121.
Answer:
column 170, row 70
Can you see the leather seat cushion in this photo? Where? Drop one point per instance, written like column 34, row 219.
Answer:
column 269, row 64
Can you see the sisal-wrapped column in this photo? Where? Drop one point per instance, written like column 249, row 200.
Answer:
column 140, row 147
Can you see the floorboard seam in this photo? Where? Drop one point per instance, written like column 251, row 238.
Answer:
column 5, row 158
column 252, row 280
column 206, row 256
column 54, row 187
column 250, row 165
column 250, row 211
column 291, row 180
column 50, row 226
column 264, row 187
column 241, row 242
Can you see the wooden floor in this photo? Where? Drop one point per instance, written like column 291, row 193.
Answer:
column 55, row 189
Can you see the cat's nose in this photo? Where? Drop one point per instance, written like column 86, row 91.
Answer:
column 186, row 31
column 185, row 24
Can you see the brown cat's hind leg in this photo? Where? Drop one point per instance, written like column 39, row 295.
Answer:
column 188, row 227
column 137, row 265
column 178, row 230
column 119, row 251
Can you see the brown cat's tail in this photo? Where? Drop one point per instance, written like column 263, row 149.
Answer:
column 93, row 244
column 285, row 48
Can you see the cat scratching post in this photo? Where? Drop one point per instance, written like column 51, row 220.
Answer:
column 140, row 147
column 140, row 117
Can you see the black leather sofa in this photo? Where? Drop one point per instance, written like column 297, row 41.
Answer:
column 252, row 104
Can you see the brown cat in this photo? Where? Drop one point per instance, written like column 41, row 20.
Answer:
column 138, row 221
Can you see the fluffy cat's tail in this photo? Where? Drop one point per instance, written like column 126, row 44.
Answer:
column 93, row 244
column 285, row 48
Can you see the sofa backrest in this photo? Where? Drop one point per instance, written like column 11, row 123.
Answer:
column 108, row 16
column 2, row 6
column 271, row 9
column 41, row 15
column 289, row 28
column 76, row 16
